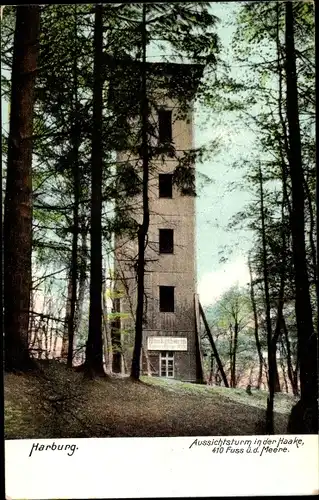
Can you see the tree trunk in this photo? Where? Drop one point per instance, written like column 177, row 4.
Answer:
column 143, row 228
column 281, row 297
column 283, row 369
column 270, row 345
column 233, row 382
column 147, row 359
column 275, row 338
column 31, row 322
column 33, row 333
column 82, row 279
column 307, row 338
column 117, row 356
column 212, row 343
column 285, row 174
column 18, row 199
column 65, row 338
column 231, row 354
column 312, row 233
column 75, row 137
column 295, row 374
column 50, row 327
column 211, row 371
column 291, row 374
column 277, row 379
column 107, row 336
column 200, row 375
column 46, row 338
column 284, row 167
column 94, row 346
column 258, row 344
column 55, row 345
column 108, row 366
column 40, row 340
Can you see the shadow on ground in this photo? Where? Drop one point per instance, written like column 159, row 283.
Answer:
column 62, row 403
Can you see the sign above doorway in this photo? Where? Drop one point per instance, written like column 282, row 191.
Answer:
column 167, row 344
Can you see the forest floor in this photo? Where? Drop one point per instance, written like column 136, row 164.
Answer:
column 62, row 403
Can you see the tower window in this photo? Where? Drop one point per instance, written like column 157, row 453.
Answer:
column 165, row 125
column 166, row 240
column 166, row 299
column 165, row 183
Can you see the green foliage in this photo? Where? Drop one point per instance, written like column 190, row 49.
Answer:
column 233, row 311
column 118, row 315
column 115, row 294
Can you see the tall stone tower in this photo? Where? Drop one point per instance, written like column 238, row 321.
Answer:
column 170, row 345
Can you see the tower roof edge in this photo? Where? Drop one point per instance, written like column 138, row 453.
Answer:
column 175, row 79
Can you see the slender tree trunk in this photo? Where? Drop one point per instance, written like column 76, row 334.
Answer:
column 143, row 228
column 284, row 174
column 75, row 136
column 50, row 337
column 107, row 336
column 274, row 342
column 212, row 343
column 258, row 344
column 277, row 379
column 40, row 341
column 276, row 335
column 234, row 354
column 291, row 374
column 46, row 334
column 281, row 297
column 31, row 322
column 283, row 369
column 251, row 375
column 312, row 233
column 55, row 345
column 65, row 338
column 304, row 416
column 231, row 354
column 211, row 372
column 82, row 279
column 282, row 151
column 34, row 336
column 117, row 357
column 147, row 359
column 296, row 372
column 18, row 199
column 283, row 366
column 271, row 351
column 108, row 366
column 94, row 346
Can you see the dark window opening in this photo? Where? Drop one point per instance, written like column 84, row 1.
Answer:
column 166, row 299
column 165, row 182
column 165, row 126
column 166, row 240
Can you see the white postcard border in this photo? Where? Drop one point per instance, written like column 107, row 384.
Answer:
column 156, row 467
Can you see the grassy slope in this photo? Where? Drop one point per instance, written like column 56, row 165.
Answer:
column 65, row 405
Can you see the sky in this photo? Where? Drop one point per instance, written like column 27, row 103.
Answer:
column 216, row 203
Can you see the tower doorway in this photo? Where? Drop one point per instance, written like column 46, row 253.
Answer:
column 166, row 361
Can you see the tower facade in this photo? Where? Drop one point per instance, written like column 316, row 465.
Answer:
column 170, row 345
